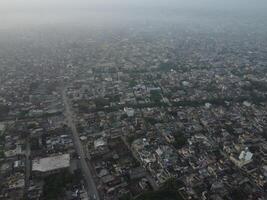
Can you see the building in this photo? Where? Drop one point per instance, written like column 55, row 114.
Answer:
column 129, row 112
column 50, row 165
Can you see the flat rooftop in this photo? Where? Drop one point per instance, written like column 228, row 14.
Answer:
column 51, row 163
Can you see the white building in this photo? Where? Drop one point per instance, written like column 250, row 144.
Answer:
column 50, row 165
column 129, row 112
column 245, row 157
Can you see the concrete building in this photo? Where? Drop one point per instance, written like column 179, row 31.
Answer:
column 50, row 165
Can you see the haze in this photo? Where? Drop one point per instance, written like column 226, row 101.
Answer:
column 23, row 13
column 133, row 99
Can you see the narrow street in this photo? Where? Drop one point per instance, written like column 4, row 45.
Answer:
column 91, row 187
column 27, row 164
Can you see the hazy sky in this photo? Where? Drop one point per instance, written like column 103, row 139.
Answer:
column 25, row 12
column 10, row 5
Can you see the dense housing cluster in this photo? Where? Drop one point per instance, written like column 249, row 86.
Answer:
column 120, row 114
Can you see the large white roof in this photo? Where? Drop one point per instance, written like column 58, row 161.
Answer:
column 2, row 127
column 51, row 163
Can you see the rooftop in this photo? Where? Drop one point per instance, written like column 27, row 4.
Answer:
column 51, row 163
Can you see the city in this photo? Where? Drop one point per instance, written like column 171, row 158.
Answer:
column 137, row 112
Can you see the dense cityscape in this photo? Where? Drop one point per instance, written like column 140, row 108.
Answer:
column 141, row 111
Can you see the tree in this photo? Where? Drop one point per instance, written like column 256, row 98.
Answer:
column 101, row 102
column 166, row 66
column 125, row 197
column 130, row 139
column 238, row 194
column 2, row 154
column 180, row 140
column 151, row 120
column 155, row 96
column 54, row 185
column 132, row 83
column 4, row 110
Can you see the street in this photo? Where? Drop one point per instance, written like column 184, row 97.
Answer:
column 91, row 187
column 27, row 164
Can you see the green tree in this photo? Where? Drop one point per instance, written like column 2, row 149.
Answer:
column 180, row 140
column 55, row 184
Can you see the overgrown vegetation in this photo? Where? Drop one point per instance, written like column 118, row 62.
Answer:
column 166, row 66
column 2, row 154
column 132, row 83
column 151, row 120
column 155, row 96
column 2, row 141
column 55, row 184
column 180, row 140
column 101, row 102
column 130, row 139
column 4, row 110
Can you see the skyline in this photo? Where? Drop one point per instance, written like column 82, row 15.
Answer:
column 33, row 12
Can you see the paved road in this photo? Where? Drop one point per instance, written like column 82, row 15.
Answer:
column 27, row 164
column 91, row 187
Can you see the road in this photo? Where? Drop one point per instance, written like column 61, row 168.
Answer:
column 91, row 187
column 27, row 164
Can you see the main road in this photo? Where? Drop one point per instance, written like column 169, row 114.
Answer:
column 91, row 187
column 27, row 164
